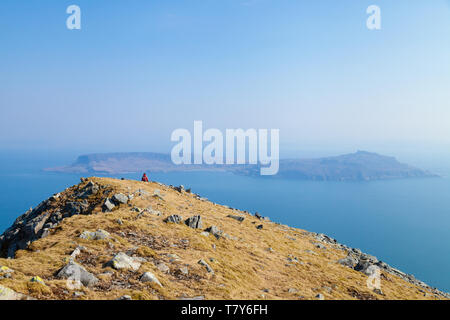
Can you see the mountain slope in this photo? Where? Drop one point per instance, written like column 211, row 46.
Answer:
column 115, row 234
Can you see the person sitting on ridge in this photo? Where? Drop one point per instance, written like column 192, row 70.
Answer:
column 144, row 178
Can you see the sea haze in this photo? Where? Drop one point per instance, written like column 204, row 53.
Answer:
column 403, row 222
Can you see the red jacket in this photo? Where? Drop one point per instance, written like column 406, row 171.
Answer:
column 144, row 178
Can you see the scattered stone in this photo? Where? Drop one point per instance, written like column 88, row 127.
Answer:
column 183, row 270
column 173, row 219
column 172, row 257
column 8, row 294
column 108, row 206
column 120, row 198
column 157, row 194
column 150, row 277
column 192, row 298
column 122, row 261
column 259, row 227
column 119, row 221
column 75, row 252
column 38, row 279
column 205, row 234
column 5, row 270
column 292, row 290
column 327, row 289
column 194, row 222
column 97, row 235
column 319, row 246
column 153, row 212
column 320, row 297
column 162, row 267
column 140, row 259
column 215, row 232
column 126, row 297
column 238, row 218
column 378, row 291
column 76, row 272
column 180, row 189
column 230, row 237
column 208, row 268
column 257, row 215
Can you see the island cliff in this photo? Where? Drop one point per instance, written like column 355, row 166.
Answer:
column 358, row 166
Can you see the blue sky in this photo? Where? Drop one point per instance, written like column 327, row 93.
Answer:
column 137, row 70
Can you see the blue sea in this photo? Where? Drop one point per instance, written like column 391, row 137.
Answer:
column 405, row 223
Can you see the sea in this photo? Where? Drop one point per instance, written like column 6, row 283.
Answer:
column 405, row 223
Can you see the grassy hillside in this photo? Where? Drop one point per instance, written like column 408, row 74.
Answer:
column 270, row 262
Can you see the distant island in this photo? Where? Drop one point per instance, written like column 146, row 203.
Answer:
column 358, row 166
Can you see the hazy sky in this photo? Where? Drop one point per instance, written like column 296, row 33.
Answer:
column 139, row 69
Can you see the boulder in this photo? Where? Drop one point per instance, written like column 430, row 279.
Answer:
column 194, row 222
column 320, row 297
column 238, row 218
column 123, row 261
column 120, row 198
column 76, row 272
column 97, row 235
column 150, row 277
column 108, row 206
column 366, row 267
column 162, row 267
column 152, row 211
column 183, row 271
column 5, row 270
column 208, row 268
column 173, row 219
column 215, row 232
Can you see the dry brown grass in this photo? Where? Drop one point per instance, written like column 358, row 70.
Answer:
column 243, row 267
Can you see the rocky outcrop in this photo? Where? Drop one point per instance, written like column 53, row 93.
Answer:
column 39, row 222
